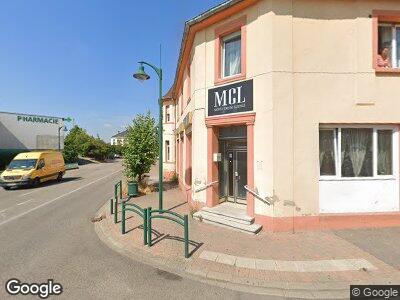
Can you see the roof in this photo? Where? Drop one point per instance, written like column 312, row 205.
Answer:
column 121, row 134
column 168, row 95
column 230, row 7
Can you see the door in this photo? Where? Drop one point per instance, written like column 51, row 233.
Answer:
column 240, row 175
column 237, row 175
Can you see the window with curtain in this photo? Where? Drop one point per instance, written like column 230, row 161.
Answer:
column 385, row 153
column 231, row 54
column 389, row 37
column 327, row 152
column 356, row 152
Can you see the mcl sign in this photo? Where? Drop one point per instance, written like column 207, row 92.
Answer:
column 233, row 98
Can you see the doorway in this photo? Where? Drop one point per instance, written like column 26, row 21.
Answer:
column 233, row 165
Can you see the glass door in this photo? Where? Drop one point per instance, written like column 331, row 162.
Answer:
column 240, row 175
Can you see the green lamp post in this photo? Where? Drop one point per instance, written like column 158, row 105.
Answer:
column 142, row 76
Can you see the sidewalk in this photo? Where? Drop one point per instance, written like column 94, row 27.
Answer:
column 301, row 265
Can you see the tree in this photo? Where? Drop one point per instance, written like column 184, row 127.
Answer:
column 141, row 149
column 79, row 142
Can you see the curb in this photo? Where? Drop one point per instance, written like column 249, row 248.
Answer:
column 298, row 290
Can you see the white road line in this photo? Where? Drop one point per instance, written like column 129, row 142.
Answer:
column 55, row 199
column 26, row 194
column 25, row 201
column 1, row 211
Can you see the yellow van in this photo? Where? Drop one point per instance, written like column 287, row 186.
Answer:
column 32, row 168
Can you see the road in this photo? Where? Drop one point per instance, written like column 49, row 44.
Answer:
column 47, row 233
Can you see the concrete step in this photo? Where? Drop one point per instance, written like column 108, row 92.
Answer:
column 247, row 221
column 231, row 211
column 226, row 222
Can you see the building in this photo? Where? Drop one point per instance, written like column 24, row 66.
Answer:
column 23, row 132
column 289, row 109
column 119, row 138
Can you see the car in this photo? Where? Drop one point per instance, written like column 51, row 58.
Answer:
column 33, row 168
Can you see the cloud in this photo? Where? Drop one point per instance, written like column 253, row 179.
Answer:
column 107, row 125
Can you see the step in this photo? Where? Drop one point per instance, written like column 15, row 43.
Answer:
column 206, row 213
column 232, row 211
column 217, row 220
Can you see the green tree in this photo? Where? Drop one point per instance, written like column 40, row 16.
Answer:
column 140, row 151
column 78, row 139
column 79, row 142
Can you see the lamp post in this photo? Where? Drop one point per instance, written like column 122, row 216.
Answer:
column 59, row 139
column 142, row 75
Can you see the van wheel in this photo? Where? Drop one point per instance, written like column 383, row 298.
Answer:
column 6, row 187
column 36, row 182
column 60, row 176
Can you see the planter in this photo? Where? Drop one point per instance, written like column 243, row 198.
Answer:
column 132, row 188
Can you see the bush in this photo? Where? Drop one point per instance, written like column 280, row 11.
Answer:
column 70, row 155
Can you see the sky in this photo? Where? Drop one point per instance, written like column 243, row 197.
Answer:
column 71, row 58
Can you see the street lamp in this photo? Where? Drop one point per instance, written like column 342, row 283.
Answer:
column 141, row 75
column 59, row 129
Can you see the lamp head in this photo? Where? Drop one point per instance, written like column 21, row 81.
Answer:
column 141, row 75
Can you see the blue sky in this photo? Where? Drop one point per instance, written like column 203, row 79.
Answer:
column 76, row 58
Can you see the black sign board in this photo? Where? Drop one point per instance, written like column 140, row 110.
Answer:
column 232, row 98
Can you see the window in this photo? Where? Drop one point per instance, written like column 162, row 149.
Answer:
column 356, row 152
column 327, row 152
column 230, row 51
column 231, row 54
column 388, row 46
column 167, row 114
column 385, row 152
column 167, row 151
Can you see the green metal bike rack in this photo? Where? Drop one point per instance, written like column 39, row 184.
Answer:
column 137, row 210
column 117, row 186
column 172, row 216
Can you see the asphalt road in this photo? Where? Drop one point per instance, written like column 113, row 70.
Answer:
column 46, row 233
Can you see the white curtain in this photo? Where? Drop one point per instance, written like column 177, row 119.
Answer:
column 385, row 37
column 356, row 142
column 327, row 152
column 398, row 47
column 385, row 152
column 232, row 57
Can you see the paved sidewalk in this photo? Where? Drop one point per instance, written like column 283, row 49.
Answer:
column 301, row 265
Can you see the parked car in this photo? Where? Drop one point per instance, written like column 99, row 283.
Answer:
column 32, row 168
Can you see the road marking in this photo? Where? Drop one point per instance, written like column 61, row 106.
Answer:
column 1, row 211
column 55, row 199
column 26, row 194
column 25, row 201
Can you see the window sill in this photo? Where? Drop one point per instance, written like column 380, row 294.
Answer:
column 219, row 81
column 387, row 70
column 328, row 178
